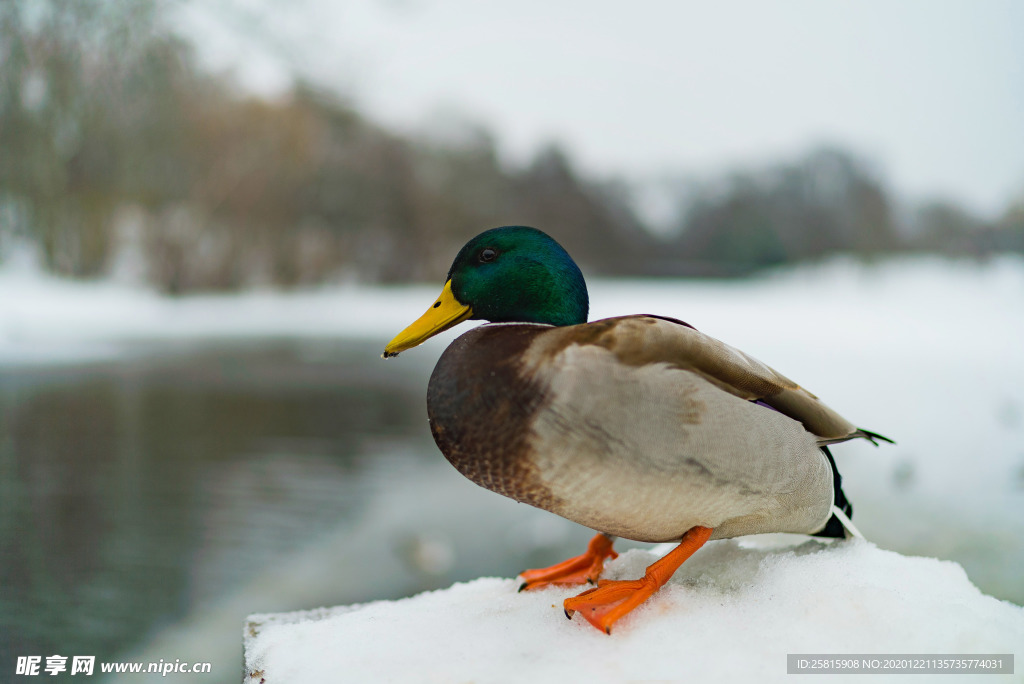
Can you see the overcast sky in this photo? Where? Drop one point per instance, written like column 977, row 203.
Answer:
column 931, row 90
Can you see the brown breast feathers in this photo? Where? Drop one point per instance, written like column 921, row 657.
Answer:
column 480, row 409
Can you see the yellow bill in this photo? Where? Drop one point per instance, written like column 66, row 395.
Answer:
column 445, row 313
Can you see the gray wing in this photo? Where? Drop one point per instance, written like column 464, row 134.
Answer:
column 643, row 340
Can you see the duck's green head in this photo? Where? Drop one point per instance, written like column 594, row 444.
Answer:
column 504, row 275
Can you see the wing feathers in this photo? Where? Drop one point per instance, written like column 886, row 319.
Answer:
column 643, row 340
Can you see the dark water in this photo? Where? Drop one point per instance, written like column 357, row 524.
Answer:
column 132, row 493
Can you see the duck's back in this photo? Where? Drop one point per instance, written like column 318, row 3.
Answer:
column 594, row 423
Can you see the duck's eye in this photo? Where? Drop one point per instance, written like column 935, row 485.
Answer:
column 488, row 254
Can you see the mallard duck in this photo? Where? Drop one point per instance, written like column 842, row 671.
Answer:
column 636, row 426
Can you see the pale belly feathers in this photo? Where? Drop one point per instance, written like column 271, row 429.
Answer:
column 647, row 452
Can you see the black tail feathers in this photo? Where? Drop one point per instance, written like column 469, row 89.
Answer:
column 834, row 528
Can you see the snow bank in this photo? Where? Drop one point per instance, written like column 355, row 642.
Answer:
column 901, row 306
column 48, row 320
column 732, row 612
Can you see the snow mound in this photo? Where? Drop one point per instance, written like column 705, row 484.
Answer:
column 732, row 612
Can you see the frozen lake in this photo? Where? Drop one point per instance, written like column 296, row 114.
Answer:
column 169, row 466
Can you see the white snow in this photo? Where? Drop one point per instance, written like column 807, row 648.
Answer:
column 731, row 613
column 46, row 320
column 838, row 304
column 921, row 306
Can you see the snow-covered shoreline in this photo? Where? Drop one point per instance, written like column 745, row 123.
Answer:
column 732, row 613
column 44, row 319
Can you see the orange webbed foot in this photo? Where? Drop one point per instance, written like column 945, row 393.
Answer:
column 609, row 601
column 579, row 570
column 613, row 599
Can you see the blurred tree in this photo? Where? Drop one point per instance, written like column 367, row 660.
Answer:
column 108, row 127
column 102, row 108
column 77, row 77
column 594, row 222
column 1009, row 231
column 945, row 228
column 825, row 203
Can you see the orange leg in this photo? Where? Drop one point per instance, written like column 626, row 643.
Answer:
column 612, row 599
column 578, row 570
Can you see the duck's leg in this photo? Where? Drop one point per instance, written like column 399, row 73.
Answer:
column 612, row 599
column 578, row 570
